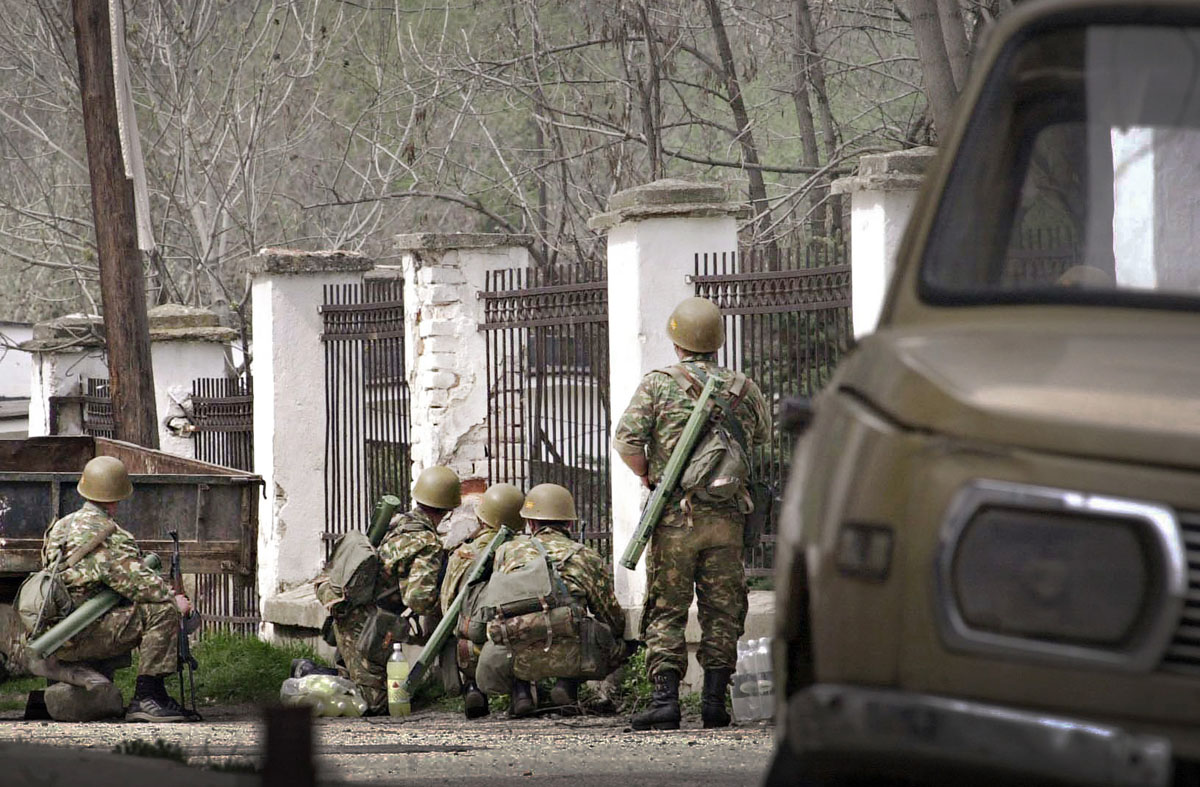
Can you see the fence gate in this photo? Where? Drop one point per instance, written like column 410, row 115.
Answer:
column 223, row 421
column 785, row 328
column 547, row 377
column 367, row 417
column 97, row 408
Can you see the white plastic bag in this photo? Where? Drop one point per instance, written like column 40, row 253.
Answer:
column 327, row 695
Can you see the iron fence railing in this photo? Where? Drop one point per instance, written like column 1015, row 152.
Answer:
column 547, row 378
column 98, row 409
column 223, row 421
column 367, row 416
column 786, row 329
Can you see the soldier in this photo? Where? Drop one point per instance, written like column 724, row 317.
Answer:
column 548, row 512
column 500, row 505
column 411, row 559
column 150, row 622
column 698, row 545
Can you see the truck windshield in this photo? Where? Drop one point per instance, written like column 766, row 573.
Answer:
column 1079, row 176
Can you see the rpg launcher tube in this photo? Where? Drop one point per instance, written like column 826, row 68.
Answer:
column 384, row 510
column 83, row 616
column 449, row 620
column 670, row 478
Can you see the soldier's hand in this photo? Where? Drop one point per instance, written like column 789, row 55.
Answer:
column 184, row 603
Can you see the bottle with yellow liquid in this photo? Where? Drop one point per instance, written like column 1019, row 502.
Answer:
column 397, row 673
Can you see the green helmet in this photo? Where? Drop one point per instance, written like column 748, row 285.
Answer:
column 501, row 505
column 105, row 480
column 438, row 487
column 550, row 502
column 696, row 325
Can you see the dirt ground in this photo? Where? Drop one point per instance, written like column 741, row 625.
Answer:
column 429, row 747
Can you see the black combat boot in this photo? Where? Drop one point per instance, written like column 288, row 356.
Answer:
column 522, row 703
column 565, row 692
column 663, row 713
column 475, row 702
column 712, row 706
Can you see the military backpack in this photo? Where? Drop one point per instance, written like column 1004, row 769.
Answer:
column 43, row 598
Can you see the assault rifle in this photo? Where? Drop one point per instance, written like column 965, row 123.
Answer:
column 438, row 638
column 187, row 625
column 670, row 478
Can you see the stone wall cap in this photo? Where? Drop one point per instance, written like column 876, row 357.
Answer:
column 668, row 191
column 900, row 170
column 297, row 261
column 448, row 241
column 66, row 333
column 177, row 315
column 687, row 210
column 213, row 333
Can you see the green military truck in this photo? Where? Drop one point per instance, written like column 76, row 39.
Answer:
column 989, row 557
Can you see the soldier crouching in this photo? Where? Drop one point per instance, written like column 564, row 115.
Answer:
column 410, row 561
column 99, row 553
column 499, row 506
column 557, row 638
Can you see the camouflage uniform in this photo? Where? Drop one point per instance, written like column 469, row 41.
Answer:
column 707, row 553
column 587, row 579
column 150, row 623
column 457, row 566
column 412, row 556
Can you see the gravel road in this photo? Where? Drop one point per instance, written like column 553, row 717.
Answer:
column 442, row 748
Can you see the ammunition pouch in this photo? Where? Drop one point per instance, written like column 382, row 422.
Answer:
column 42, row 601
column 382, row 629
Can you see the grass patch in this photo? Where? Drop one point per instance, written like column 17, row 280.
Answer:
column 159, row 749
column 14, row 692
column 233, row 670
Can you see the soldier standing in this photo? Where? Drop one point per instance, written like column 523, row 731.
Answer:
column 411, row 559
column 697, row 546
column 548, row 511
column 150, row 623
column 500, row 505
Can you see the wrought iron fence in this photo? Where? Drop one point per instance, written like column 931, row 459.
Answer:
column 1041, row 255
column 547, row 378
column 367, row 416
column 786, row 329
column 223, row 421
column 98, row 409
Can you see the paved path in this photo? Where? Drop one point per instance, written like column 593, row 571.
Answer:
column 440, row 748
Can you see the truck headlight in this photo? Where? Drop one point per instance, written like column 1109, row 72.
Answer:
column 1059, row 575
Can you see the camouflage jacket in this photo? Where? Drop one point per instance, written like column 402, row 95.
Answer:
column 460, row 560
column 116, row 563
column 413, row 558
column 660, row 408
column 582, row 569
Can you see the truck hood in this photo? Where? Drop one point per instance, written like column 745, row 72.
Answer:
column 1124, row 396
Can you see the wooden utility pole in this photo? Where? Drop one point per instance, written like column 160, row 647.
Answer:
column 122, row 283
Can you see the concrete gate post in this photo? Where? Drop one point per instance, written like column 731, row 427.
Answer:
column 654, row 233
column 65, row 350
column 288, row 366
column 882, row 197
column 444, row 276
column 185, row 343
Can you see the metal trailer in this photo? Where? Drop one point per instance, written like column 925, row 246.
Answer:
column 214, row 508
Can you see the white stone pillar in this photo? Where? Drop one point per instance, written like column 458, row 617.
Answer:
column 883, row 195
column 654, row 234
column 65, row 350
column 185, row 343
column 446, row 352
column 289, row 408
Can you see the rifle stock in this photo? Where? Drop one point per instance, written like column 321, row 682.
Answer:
column 670, row 478
column 434, row 645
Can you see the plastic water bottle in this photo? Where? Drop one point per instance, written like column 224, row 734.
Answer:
column 745, row 683
column 765, row 675
column 397, row 672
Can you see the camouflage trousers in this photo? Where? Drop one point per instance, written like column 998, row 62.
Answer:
column 705, row 558
column 152, row 627
column 370, row 676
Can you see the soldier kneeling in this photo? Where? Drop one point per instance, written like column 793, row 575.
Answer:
column 87, row 550
column 536, row 605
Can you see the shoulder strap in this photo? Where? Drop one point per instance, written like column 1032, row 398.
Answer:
column 737, row 392
column 89, row 546
column 560, row 587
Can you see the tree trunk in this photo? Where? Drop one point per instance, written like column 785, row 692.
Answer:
column 122, row 281
column 758, row 189
column 651, row 98
column 801, row 49
column 954, row 31
column 935, row 63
